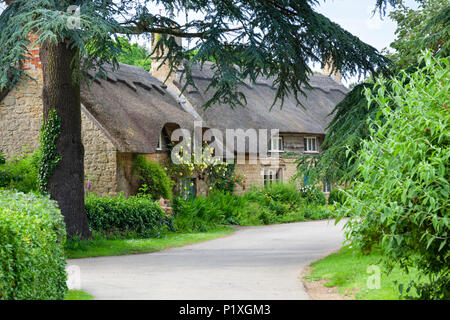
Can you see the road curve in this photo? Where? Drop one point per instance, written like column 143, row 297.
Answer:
column 252, row 263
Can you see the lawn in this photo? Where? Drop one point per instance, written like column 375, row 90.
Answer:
column 347, row 271
column 77, row 295
column 97, row 248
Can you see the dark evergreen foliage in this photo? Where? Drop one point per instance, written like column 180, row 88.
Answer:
column 246, row 39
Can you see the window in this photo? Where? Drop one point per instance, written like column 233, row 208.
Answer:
column 276, row 144
column 310, row 144
column 326, row 186
column 272, row 175
column 159, row 146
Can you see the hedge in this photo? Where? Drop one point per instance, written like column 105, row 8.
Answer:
column 32, row 236
column 121, row 216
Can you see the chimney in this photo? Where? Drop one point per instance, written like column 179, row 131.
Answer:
column 328, row 68
column 33, row 64
column 160, row 69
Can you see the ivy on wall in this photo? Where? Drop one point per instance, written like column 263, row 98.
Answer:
column 49, row 158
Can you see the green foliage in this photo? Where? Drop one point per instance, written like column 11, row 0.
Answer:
column 275, row 203
column 336, row 196
column 224, row 178
column 126, row 217
column 427, row 27
column 21, row 173
column 49, row 156
column 272, row 39
column 2, row 158
column 401, row 196
column 313, row 195
column 134, row 54
column 32, row 235
column 344, row 134
column 154, row 180
column 197, row 215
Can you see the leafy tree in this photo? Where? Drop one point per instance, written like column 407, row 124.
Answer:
column 428, row 27
column 425, row 28
column 400, row 199
column 134, row 54
column 246, row 38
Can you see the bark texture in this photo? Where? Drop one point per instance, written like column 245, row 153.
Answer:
column 62, row 93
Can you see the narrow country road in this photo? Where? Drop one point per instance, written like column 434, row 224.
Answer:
column 253, row 263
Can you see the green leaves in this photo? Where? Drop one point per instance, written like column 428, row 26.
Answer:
column 49, row 156
column 125, row 217
column 247, row 39
column 32, row 236
column 403, row 174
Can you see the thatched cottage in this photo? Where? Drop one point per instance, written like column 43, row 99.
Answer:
column 133, row 112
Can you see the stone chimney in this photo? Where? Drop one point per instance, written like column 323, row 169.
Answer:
column 160, row 69
column 327, row 70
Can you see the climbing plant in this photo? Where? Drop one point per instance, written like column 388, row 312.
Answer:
column 49, row 156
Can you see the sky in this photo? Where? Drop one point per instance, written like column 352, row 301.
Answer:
column 356, row 17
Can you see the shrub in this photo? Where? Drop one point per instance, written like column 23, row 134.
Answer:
column 336, row 196
column 401, row 197
column 32, row 235
column 125, row 217
column 198, row 215
column 20, row 173
column 313, row 195
column 154, row 180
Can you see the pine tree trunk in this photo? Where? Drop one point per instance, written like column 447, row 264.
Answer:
column 62, row 93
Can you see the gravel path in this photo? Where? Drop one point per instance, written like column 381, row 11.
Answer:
column 252, row 263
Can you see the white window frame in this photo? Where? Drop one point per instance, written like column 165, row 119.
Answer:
column 159, row 146
column 279, row 141
column 309, row 142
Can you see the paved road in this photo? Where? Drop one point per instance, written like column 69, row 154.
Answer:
column 253, row 263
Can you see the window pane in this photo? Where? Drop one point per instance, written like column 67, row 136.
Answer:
column 313, row 140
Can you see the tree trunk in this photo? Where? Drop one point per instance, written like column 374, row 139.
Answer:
column 62, row 93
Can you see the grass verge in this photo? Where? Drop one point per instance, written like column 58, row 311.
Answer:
column 98, row 248
column 78, row 295
column 350, row 273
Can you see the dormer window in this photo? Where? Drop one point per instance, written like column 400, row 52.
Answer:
column 310, row 144
column 159, row 146
column 276, row 144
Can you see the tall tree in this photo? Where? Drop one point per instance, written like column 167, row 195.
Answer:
column 246, row 39
column 426, row 28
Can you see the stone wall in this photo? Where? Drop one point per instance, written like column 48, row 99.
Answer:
column 20, row 124
column 100, row 158
column 21, row 116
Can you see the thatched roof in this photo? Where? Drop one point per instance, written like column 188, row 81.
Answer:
column 132, row 107
column 320, row 101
